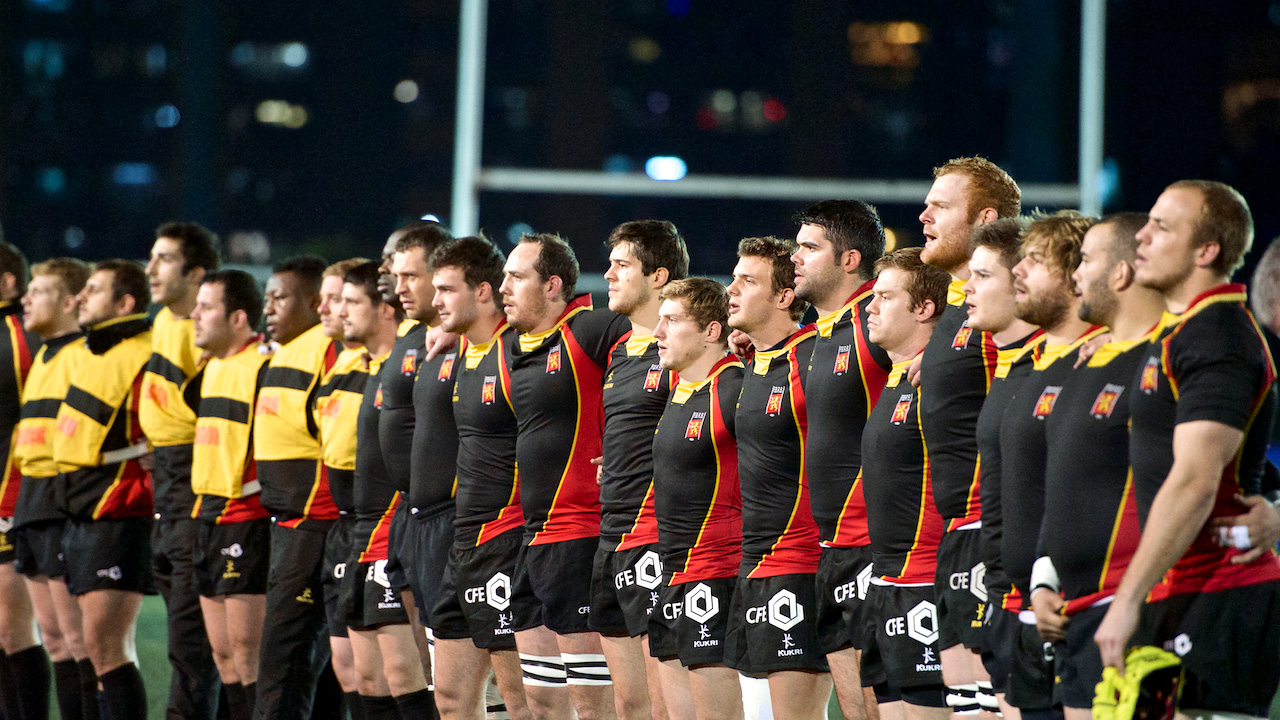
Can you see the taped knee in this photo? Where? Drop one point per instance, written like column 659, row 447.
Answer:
column 586, row 669
column 963, row 699
column 542, row 670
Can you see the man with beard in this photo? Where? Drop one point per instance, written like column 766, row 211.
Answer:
column 1199, row 426
column 1044, row 296
column 955, row 373
column 644, row 256
column 1090, row 527
column 839, row 243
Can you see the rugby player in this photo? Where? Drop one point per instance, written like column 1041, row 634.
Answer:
column 697, row 502
column 839, row 244
column 902, row 517
column 50, row 309
column 557, row 366
column 102, row 487
column 1090, row 526
column 1200, row 419
column 644, row 256
column 955, row 373
column 772, row 630
column 232, row 551
column 183, row 253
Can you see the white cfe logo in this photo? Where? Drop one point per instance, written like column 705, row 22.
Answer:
column 922, row 623
column 700, row 604
column 498, row 592
column 649, row 570
column 978, row 581
column 784, row 612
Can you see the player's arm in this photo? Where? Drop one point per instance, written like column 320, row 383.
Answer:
column 1201, row 450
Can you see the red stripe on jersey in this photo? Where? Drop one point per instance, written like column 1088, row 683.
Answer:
column 376, row 548
column 851, row 528
column 973, row 501
column 320, row 504
column 922, row 561
column 644, row 531
column 21, row 351
column 613, row 348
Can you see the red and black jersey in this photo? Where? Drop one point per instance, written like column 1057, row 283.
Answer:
column 376, row 498
column 396, row 419
column 697, row 498
column 955, row 374
column 1211, row 363
column 846, row 374
column 635, row 394
column 902, row 516
column 1022, row 456
column 434, row 465
column 779, row 536
column 488, row 500
column 1013, row 364
column 1090, row 528
column 556, row 378
column 17, row 346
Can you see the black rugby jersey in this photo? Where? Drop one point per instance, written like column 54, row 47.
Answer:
column 1022, row 456
column 376, row 498
column 635, row 393
column 1090, row 528
column 697, row 498
column 1211, row 363
column 846, row 374
column 556, row 393
column 47, row 383
column 434, row 465
column 396, row 419
column 955, row 374
column 488, row 501
column 16, row 349
column 779, row 536
column 902, row 517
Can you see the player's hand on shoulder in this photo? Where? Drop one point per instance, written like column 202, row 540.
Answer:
column 1090, row 347
column 438, row 341
column 599, row 463
column 740, row 344
column 913, row 371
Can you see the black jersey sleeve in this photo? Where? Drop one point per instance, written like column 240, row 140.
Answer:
column 1218, row 377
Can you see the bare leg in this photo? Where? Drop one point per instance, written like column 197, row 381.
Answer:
column 245, row 615
column 70, row 619
column 546, row 703
column 110, row 622
column 17, row 615
column 847, row 677
column 625, row 657
column 798, row 694
column 344, row 666
column 215, row 625
column 593, row 702
column 509, row 679
column 460, row 672
column 419, row 633
column 676, row 681
column 717, row 693
column 47, row 618
column 400, row 661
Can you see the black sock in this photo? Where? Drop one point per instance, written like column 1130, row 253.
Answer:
column 66, row 683
column 419, row 705
column 9, row 707
column 355, row 705
column 31, row 676
column 235, row 701
column 88, row 690
column 124, row 696
column 250, row 691
column 380, row 707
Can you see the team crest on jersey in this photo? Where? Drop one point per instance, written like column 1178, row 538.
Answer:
column 1150, row 376
column 842, row 359
column 774, row 406
column 1105, row 403
column 409, row 364
column 653, row 378
column 377, row 398
column 1044, row 406
column 694, row 430
column 962, row 336
column 553, row 360
column 446, row 367
column 901, row 410
column 489, row 391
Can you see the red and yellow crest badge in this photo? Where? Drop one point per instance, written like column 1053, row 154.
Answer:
column 1044, row 405
column 446, row 368
column 409, row 365
column 553, row 360
column 377, row 398
column 488, row 392
column 1105, row 403
column 653, row 378
column 962, row 336
column 842, row 359
column 1150, row 376
column 693, row 430
column 902, row 410
column 774, row 405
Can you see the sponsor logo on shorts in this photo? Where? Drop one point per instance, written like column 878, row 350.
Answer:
column 842, row 359
column 111, row 573
column 700, row 604
column 919, row 624
column 230, row 572
column 653, row 378
column 389, row 600
column 783, row 611
column 1181, row 645
column 234, row 550
column 774, row 405
column 962, row 336
column 340, row 570
column 864, row 581
column 789, row 647
column 672, row 610
column 306, row 597
column 973, row 580
column 929, row 662
column 1044, row 405
column 1106, row 401
column 653, row 602
column 901, row 410
column 504, row 624
column 378, row 573
column 704, row 638
column 496, row 593
column 553, row 360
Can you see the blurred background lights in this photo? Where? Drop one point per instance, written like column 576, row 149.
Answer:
column 134, row 173
column 644, row 50
column 517, row 230
column 280, row 112
column 293, row 54
column 618, row 164
column 167, row 116
column 73, row 238
column 658, row 102
column 406, row 91
column 665, row 167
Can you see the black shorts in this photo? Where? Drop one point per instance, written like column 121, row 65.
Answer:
column 371, row 600
column 233, row 559
column 338, row 543
column 772, row 626
column 906, row 641
column 1031, row 673
column 844, row 575
column 1077, row 661
column 691, row 621
column 962, row 590
column 7, row 554
column 38, row 549
column 423, row 554
column 108, row 555
column 625, row 586
column 1227, row 641
column 397, row 573
column 559, row 575
column 997, row 652
column 479, row 587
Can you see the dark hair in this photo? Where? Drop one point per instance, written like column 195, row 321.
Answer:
column 778, row 252
column 656, row 244
column 365, row 276
column 127, row 278
column 309, row 269
column 423, row 234
column 990, row 186
column 72, row 273
column 239, row 292
column 1225, row 219
column 555, row 258
column 199, row 244
column 13, row 261
column 1123, row 243
column 1003, row 237
column 479, row 260
column 924, row 282
column 704, row 299
column 848, row 225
